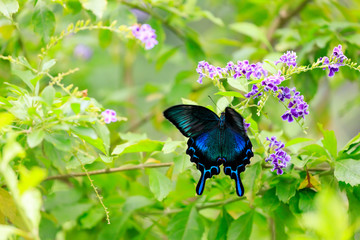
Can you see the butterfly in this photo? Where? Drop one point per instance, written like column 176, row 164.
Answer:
column 213, row 141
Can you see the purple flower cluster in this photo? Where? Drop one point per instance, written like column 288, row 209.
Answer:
column 109, row 116
column 297, row 106
column 272, row 82
column 289, row 58
column 145, row 34
column 242, row 68
column 254, row 92
column 339, row 56
column 279, row 159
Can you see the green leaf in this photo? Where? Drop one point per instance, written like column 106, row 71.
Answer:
column 194, row 50
column 239, row 83
column 186, row 225
column 221, row 104
column 8, row 7
column 30, row 178
column 44, row 22
column 135, row 202
column 92, row 218
column 105, row 37
column 315, row 150
column 106, row 159
column 286, row 189
column 96, row 6
column 329, row 141
column 35, row 137
column 146, row 145
column 211, row 17
column 5, row 119
column 31, row 202
column 26, row 77
column 241, row 227
column 160, row 185
column 296, row 141
column 59, row 141
column 220, row 226
column 188, row 101
column 348, row 171
column 306, row 200
column 9, row 210
column 47, row 65
column 164, row 57
column 7, row 232
column 48, row 95
column 230, row 94
column 70, row 212
column 76, row 107
column 170, row 146
column 252, row 31
column 251, row 178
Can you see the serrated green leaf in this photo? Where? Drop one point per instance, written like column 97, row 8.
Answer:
column 186, row 225
column 106, row 159
column 241, row 227
column 348, row 171
column 9, row 7
column 219, row 228
column 306, row 199
column 170, row 146
column 160, row 185
column 35, row 138
column 44, row 22
column 286, row 189
column 329, row 142
column 48, row 95
column 26, row 77
column 47, row 65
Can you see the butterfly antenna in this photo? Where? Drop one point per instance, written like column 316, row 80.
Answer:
column 214, row 103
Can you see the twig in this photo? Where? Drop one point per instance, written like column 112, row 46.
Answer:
column 109, row 170
column 284, row 18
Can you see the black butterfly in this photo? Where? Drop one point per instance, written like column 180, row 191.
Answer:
column 213, row 141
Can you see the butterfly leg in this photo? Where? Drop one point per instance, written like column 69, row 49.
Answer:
column 235, row 174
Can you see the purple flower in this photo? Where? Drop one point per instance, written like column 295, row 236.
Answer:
column 279, row 159
column 339, row 56
column 246, row 126
column 272, row 82
column 241, row 69
column 284, row 92
column 289, row 58
column 297, row 106
column 145, row 34
column 254, row 91
column 109, row 116
column 83, row 52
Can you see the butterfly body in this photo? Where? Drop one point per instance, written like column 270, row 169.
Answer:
column 213, row 141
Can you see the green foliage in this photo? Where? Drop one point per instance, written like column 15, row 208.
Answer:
column 66, row 174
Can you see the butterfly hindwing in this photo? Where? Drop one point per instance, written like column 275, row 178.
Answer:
column 237, row 147
column 204, row 150
column 191, row 120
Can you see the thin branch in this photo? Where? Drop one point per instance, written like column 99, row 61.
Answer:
column 109, row 170
column 283, row 18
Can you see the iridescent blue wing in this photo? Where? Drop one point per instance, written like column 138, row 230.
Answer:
column 192, row 120
column 205, row 150
column 201, row 126
column 236, row 147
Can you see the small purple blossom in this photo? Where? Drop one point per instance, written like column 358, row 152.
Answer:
column 83, row 52
column 297, row 106
column 145, row 34
column 272, row 82
column 240, row 69
column 284, row 92
column 279, row 159
column 339, row 56
column 246, row 125
column 289, row 58
column 254, row 92
column 109, row 116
